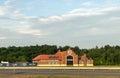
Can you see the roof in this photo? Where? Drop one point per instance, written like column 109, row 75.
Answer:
column 60, row 53
column 56, row 56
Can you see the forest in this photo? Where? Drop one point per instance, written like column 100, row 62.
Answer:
column 105, row 55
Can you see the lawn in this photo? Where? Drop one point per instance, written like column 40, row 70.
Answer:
column 53, row 76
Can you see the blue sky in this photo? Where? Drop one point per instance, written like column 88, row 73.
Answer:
column 83, row 23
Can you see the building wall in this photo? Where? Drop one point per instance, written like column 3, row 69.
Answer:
column 70, row 52
column 84, row 61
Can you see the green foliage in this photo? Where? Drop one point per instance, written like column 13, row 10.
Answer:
column 107, row 55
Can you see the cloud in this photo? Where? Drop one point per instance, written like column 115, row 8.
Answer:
column 75, row 27
column 9, row 3
column 108, row 9
column 87, row 4
column 80, row 12
column 29, row 31
column 2, row 10
column 95, row 10
column 1, row 38
column 6, row 7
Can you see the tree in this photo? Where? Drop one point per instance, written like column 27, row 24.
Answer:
column 105, row 55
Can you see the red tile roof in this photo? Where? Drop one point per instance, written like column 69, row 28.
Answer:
column 56, row 56
column 60, row 53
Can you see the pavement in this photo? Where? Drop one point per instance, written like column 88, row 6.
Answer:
column 62, row 70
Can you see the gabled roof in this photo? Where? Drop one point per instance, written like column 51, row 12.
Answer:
column 60, row 53
column 39, row 57
column 56, row 56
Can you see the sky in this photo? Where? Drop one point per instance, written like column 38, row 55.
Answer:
column 83, row 23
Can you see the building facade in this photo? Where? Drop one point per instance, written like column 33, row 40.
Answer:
column 62, row 58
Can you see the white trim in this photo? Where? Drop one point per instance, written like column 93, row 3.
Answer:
column 51, row 65
column 48, row 65
column 63, row 65
column 89, row 64
column 81, row 64
column 75, row 65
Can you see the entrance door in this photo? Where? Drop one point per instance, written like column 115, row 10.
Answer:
column 69, row 61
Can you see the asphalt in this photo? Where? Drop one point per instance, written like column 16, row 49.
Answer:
column 61, row 71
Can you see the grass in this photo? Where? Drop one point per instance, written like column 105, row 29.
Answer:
column 53, row 76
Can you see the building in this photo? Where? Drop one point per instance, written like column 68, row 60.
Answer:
column 4, row 63
column 62, row 58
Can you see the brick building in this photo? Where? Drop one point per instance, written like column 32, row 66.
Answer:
column 62, row 58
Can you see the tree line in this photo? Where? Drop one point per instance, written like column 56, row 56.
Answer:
column 106, row 55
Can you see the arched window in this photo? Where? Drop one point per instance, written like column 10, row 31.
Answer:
column 69, row 60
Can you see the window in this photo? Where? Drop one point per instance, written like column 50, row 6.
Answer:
column 52, row 62
column 56, row 62
column 49, row 62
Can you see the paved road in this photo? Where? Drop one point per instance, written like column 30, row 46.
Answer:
column 61, row 71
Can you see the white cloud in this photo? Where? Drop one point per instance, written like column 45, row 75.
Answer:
column 101, row 31
column 1, row 12
column 94, row 10
column 51, row 19
column 81, row 24
column 29, row 31
column 115, row 19
column 80, row 12
column 89, row 24
column 2, row 38
column 9, row 9
column 87, row 4
column 17, row 13
column 9, row 3
column 6, row 7
column 107, row 9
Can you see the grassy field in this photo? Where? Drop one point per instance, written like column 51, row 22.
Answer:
column 53, row 76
